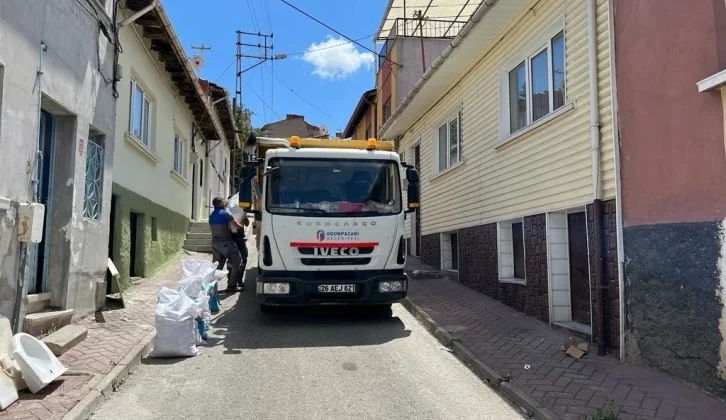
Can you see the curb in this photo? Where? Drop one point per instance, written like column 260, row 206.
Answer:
column 103, row 390
column 486, row 373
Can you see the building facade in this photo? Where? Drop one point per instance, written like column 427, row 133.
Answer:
column 517, row 191
column 671, row 106
column 56, row 148
column 165, row 122
column 363, row 123
column 293, row 125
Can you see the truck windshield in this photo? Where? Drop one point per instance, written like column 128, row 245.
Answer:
column 334, row 187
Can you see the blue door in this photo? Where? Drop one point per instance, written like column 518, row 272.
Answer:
column 38, row 267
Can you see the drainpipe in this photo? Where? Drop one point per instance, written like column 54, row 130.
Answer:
column 600, row 278
column 618, row 182
column 138, row 14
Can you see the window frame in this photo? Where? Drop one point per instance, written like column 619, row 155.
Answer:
column 505, row 252
column 542, row 42
column 457, row 117
column 147, row 104
column 387, row 110
column 94, row 149
column 179, row 157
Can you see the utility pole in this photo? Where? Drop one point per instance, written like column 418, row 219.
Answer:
column 418, row 14
column 262, row 43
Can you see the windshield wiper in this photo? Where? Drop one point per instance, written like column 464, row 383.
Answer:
column 299, row 209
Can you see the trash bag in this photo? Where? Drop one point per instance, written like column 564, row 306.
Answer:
column 202, row 304
column 175, row 338
column 196, row 275
column 237, row 212
column 175, row 322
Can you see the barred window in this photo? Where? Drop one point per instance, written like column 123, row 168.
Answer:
column 93, row 193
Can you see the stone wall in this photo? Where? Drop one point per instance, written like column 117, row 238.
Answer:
column 151, row 254
column 479, row 261
column 480, row 270
column 673, row 304
column 610, row 244
column 535, row 251
column 431, row 250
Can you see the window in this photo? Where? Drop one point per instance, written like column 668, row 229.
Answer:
column 154, row 230
column 536, row 85
column 387, row 110
column 512, row 266
column 94, row 178
column 140, row 114
column 201, row 173
column 448, row 147
column 179, row 149
column 450, row 251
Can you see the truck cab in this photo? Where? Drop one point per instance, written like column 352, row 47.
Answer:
column 331, row 223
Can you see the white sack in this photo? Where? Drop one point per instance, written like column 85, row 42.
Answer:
column 175, row 338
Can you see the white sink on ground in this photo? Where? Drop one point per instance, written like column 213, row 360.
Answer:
column 38, row 364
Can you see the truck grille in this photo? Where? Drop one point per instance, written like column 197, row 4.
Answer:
column 361, row 251
column 334, row 261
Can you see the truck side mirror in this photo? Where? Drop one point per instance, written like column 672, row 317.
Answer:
column 245, row 188
column 414, row 192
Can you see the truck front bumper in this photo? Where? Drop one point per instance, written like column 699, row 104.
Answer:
column 304, row 288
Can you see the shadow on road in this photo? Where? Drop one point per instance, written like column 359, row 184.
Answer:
column 244, row 326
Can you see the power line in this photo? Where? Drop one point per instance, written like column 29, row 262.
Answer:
column 303, row 99
column 265, row 103
column 330, row 46
column 338, row 32
column 253, row 15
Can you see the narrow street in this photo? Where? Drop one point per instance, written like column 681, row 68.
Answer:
column 328, row 363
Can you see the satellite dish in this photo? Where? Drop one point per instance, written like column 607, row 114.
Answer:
column 323, row 130
column 197, row 62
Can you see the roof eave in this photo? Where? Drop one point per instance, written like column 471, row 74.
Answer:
column 359, row 112
column 713, row 83
column 156, row 20
column 443, row 70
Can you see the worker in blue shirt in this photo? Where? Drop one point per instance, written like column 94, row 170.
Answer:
column 224, row 246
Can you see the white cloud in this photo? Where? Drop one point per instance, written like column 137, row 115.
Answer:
column 337, row 58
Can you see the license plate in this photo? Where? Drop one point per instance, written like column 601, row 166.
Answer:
column 336, row 288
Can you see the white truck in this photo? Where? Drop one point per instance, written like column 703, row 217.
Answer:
column 330, row 220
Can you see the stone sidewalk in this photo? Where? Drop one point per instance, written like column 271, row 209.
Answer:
column 529, row 352
column 111, row 337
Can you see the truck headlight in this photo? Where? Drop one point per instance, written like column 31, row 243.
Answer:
column 276, row 288
column 390, row 286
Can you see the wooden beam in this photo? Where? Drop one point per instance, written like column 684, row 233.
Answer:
column 154, row 35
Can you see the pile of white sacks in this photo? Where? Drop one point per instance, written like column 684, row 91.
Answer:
column 182, row 313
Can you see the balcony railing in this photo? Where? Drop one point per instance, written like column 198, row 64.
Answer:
column 428, row 28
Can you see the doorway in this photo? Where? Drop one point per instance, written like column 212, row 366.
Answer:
column 111, row 230
column 37, row 279
column 194, row 192
column 134, row 219
column 579, row 267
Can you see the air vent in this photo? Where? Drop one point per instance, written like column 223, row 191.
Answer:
column 401, row 251
column 267, row 252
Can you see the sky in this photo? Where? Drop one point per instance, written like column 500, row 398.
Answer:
column 323, row 76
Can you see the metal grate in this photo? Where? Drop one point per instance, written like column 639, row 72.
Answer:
column 94, row 181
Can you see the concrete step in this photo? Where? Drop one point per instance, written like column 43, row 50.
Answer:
column 43, row 322
column 199, row 248
column 199, row 235
column 38, row 302
column 200, row 241
column 199, row 230
column 65, row 339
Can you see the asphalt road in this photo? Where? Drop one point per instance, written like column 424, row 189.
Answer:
column 327, row 363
